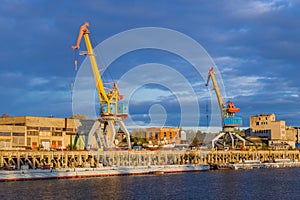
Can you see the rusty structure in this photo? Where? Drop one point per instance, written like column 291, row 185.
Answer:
column 163, row 135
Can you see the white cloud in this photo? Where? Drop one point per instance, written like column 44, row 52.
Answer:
column 295, row 95
column 254, row 8
column 36, row 81
column 228, row 63
column 147, row 94
column 245, row 85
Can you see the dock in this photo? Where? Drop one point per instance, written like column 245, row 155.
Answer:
column 65, row 173
column 84, row 159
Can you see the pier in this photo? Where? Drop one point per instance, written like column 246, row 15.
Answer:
column 72, row 159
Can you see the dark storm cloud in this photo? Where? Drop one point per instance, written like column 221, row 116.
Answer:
column 254, row 43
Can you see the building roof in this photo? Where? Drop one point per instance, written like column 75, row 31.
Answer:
column 40, row 121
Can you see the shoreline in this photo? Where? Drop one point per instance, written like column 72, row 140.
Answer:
column 75, row 173
column 68, row 173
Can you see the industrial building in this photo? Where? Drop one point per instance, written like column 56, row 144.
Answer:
column 30, row 132
column 278, row 135
column 163, row 135
column 37, row 132
column 297, row 130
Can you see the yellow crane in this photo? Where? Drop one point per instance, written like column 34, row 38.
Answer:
column 111, row 112
column 229, row 120
column 111, row 98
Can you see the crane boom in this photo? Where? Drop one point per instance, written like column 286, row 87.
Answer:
column 227, row 112
column 211, row 75
column 105, row 98
column 83, row 29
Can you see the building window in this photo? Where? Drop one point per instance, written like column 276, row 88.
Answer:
column 45, row 128
column 57, row 134
column 257, row 123
column 171, row 135
column 69, row 129
column 5, row 134
column 45, row 134
column 18, row 141
column 20, row 124
column 32, row 128
column 156, row 135
column 18, row 134
column 32, row 133
column 165, row 134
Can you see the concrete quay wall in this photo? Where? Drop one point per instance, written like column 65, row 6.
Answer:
column 223, row 157
column 72, row 159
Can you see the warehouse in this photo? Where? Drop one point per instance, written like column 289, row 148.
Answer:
column 30, row 132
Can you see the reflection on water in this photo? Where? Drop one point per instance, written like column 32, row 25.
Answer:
column 242, row 184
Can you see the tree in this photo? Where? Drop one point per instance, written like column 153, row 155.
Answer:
column 71, row 147
column 4, row 115
column 79, row 116
column 195, row 141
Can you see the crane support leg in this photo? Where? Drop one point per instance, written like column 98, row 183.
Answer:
column 216, row 139
column 111, row 134
column 102, row 141
column 124, row 129
column 232, row 140
column 104, row 131
column 241, row 138
column 231, row 135
column 96, row 132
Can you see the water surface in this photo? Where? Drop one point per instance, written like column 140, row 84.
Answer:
column 226, row 184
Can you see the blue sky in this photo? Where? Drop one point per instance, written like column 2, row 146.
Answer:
column 255, row 45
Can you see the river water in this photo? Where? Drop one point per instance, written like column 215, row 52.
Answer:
column 223, row 184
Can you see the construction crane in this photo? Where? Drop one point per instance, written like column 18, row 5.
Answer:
column 229, row 120
column 111, row 112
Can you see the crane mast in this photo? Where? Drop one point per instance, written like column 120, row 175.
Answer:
column 111, row 113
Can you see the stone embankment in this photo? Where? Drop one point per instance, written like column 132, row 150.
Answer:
column 80, row 159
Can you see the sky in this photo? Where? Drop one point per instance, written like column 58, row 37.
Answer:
column 254, row 44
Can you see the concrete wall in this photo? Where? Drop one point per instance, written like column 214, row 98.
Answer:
column 32, row 132
column 279, row 135
column 265, row 125
column 278, row 130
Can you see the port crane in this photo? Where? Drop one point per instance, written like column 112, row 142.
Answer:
column 229, row 120
column 111, row 111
